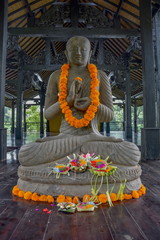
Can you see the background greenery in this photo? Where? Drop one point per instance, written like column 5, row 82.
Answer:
column 33, row 118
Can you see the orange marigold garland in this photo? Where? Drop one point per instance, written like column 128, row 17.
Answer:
column 86, row 198
column 94, row 97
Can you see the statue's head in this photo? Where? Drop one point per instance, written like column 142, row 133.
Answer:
column 78, row 51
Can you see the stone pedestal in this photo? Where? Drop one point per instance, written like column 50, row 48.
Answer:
column 3, row 143
column 150, row 141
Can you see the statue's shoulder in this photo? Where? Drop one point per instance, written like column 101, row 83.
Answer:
column 54, row 77
column 102, row 75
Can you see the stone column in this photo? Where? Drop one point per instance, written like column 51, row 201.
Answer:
column 19, row 131
column 128, row 120
column 3, row 46
column 150, row 133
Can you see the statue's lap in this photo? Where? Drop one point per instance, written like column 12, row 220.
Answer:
column 36, row 158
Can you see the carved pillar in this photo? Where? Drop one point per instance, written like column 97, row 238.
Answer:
column 13, row 117
column 19, row 132
column 3, row 46
column 128, row 120
column 150, row 134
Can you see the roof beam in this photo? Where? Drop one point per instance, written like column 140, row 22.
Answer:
column 65, row 33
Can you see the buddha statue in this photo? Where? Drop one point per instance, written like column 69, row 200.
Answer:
column 83, row 95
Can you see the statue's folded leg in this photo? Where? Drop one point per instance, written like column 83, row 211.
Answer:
column 35, row 158
column 123, row 153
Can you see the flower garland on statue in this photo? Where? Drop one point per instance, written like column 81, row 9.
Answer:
column 94, row 97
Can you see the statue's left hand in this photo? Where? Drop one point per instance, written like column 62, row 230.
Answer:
column 82, row 104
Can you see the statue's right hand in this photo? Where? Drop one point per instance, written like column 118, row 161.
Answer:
column 75, row 86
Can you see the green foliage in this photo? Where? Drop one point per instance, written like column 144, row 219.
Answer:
column 33, row 119
column 117, row 122
column 7, row 118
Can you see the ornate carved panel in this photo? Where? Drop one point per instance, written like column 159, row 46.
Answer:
column 93, row 17
column 58, row 15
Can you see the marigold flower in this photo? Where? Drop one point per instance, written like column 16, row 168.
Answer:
column 35, row 197
column 68, row 199
column 21, row 194
column 88, row 206
column 127, row 196
column 60, row 198
column 86, row 198
column 27, row 195
column 50, row 199
column 15, row 190
column 143, row 189
column 135, row 194
column 140, row 192
column 43, row 198
column 78, row 78
column 102, row 198
column 76, row 200
column 113, row 197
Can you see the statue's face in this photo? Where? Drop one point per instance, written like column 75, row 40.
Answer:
column 78, row 52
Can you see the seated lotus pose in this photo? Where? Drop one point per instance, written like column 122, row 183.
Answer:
column 82, row 93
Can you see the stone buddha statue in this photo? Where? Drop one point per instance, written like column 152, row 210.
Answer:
column 69, row 92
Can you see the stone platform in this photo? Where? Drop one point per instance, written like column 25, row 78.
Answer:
column 35, row 179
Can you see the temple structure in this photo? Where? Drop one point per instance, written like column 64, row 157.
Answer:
column 124, row 37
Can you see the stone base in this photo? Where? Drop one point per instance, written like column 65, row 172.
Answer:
column 73, row 190
column 37, row 179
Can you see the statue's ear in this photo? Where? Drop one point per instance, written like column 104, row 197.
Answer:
column 66, row 54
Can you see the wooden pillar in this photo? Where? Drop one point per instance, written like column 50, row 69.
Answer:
column 128, row 119
column 108, row 129
column 47, row 52
column 124, row 117
column 13, row 117
column 101, row 127
column 19, row 132
column 100, row 58
column 157, row 62
column 150, row 134
column 3, row 46
column 42, row 97
column 135, row 118
column 24, row 119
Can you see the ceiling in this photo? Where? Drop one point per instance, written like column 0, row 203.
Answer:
column 28, row 45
